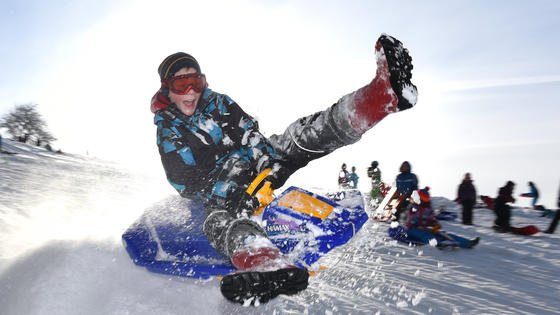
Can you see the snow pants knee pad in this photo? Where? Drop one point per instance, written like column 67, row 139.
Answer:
column 227, row 233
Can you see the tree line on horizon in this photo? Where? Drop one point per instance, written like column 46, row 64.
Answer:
column 25, row 124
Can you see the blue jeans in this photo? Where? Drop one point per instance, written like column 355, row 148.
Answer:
column 425, row 237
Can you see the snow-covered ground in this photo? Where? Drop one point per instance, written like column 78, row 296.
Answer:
column 61, row 218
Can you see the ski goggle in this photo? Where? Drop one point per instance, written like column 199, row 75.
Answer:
column 182, row 84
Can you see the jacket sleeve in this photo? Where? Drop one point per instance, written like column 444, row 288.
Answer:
column 178, row 161
column 243, row 130
column 257, row 147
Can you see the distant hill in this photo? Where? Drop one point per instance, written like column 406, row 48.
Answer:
column 11, row 147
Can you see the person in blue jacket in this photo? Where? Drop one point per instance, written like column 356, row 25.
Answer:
column 214, row 152
column 406, row 183
column 533, row 193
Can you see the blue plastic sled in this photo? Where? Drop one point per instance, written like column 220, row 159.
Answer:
column 306, row 226
column 168, row 238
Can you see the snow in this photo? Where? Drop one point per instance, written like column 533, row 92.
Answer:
column 61, row 218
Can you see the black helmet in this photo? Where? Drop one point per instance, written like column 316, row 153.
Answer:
column 374, row 164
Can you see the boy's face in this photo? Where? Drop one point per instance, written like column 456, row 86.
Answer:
column 186, row 103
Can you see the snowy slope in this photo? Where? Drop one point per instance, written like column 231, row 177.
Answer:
column 61, row 218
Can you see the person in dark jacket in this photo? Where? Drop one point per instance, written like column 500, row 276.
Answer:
column 466, row 196
column 554, row 223
column 502, row 209
column 406, row 182
column 214, row 152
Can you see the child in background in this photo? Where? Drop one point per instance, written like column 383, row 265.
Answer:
column 422, row 224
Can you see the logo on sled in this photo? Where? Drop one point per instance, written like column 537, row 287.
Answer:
column 280, row 226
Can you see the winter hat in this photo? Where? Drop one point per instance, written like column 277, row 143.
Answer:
column 424, row 195
column 174, row 63
column 405, row 167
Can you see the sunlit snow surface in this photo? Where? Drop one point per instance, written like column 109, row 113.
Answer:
column 61, row 218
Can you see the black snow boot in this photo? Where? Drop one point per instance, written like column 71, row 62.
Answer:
column 400, row 68
column 500, row 229
column 255, row 287
column 390, row 91
column 474, row 242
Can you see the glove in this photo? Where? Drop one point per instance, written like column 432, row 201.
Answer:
column 237, row 202
column 436, row 228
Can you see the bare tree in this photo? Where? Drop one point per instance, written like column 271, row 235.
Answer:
column 24, row 123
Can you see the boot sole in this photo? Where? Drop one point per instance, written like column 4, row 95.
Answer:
column 263, row 286
column 400, row 70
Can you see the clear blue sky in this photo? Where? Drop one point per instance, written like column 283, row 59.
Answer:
column 487, row 71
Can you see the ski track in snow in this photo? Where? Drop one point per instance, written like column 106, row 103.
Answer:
column 61, row 218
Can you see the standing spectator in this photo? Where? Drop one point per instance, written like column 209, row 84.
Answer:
column 406, row 182
column 502, row 209
column 374, row 173
column 354, row 178
column 533, row 193
column 554, row 222
column 343, row 177
column 466, row 196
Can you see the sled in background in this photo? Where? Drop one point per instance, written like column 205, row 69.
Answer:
column 168, row 237
column 525, row 230
column 488, row 201
column 386, row 209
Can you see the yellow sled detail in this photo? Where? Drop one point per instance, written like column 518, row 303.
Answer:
column 307, row 204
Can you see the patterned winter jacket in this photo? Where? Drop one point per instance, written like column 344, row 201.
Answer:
column 215, row 152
